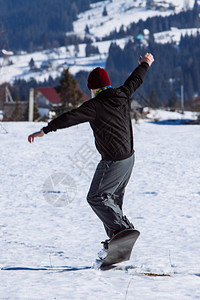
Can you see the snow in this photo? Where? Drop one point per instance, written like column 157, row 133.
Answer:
column 174, row 35
column 5, row 52
column 56, row 245
column 121, row 13
column 59, row 59
column 164, row 115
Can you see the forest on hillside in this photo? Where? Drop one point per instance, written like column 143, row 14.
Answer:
column 174, row 66
column 39, row 24
column 184, row 19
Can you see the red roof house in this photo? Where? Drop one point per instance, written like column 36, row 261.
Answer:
column 48, row 101
column 50, row 94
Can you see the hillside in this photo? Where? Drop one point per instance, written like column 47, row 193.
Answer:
column 168, row 23
column 119, row 61
column 30, row 25
column 123, row 13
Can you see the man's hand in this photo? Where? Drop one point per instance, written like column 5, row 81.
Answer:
column 148, row 58
column 34, row 135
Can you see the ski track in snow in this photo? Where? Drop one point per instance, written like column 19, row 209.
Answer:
column 48, row 251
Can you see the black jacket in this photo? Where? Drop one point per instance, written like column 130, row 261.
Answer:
column 109, row 117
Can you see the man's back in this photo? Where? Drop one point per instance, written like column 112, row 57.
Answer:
column 109, row 117
column 112, row 125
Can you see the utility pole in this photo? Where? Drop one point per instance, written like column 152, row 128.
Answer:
column 31, row 105
column 182, row 98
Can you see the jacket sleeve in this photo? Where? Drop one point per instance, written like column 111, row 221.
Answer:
column 84, row 113
column 135, row 79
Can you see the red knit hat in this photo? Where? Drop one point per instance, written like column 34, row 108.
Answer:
column 98, row 78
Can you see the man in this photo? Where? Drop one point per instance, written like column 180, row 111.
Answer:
column 109, row 115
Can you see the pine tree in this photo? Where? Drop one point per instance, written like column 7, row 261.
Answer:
column 196, row 6
column 105, row 13
column 74, row 11
column 87, row 30
column 81, row 78
column 68, row 90
column 91, row 50
column 173, row 101
column 149, row 4
column 153, row 99
column 36, row 114
column 190, row 86
column 32, row 64
column 18, row 114
column 196, row 75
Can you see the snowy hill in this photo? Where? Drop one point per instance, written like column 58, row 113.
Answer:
column 53, row 62
column 119, row 12
column 47, row 251
column 60, row 58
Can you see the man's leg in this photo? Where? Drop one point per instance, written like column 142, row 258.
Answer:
column 118, row 197
column 110, row 177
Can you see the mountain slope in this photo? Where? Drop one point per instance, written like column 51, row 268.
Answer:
column 27, row 24
column 119, row 13
column 122, row 13
column 53, row 62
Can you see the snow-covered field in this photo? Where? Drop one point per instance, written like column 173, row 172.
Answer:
column 47, row 250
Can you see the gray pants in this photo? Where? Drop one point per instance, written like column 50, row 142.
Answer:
column 107, row 191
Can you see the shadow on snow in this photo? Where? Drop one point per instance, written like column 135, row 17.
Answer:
column 175, row 122
column 47, row 268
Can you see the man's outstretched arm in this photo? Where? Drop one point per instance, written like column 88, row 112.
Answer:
column 148, row 58
column 136, row 78
column 31, row 137
column 84, row 113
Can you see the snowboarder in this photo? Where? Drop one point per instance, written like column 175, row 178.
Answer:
column 108, row 112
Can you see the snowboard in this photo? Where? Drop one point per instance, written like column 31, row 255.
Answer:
column 120, row 247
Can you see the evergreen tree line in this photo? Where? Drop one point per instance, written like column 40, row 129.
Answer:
column 20, row 88
column 66, row 86
column 174, row 66
column 184, row 19
column 28, row 25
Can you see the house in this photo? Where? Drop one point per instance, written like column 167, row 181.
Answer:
column 47, row 100
column 11, row 110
